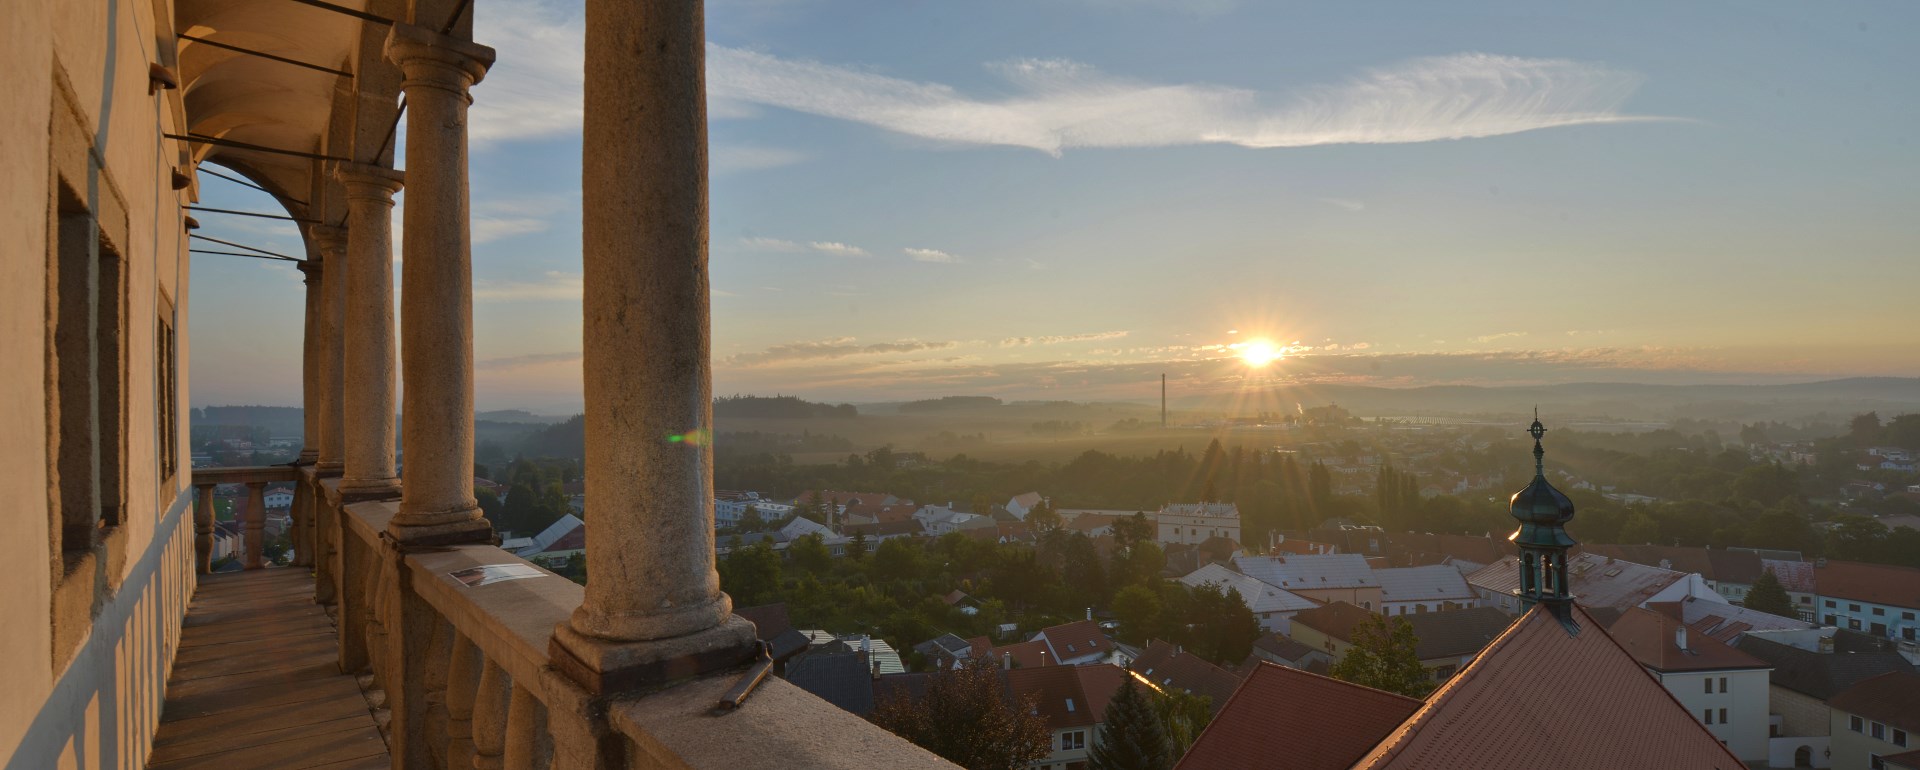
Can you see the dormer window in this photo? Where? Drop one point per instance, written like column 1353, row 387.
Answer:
column 1069, row 705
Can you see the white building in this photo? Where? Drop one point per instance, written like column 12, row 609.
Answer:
column 1416, row 590
column 1193, row 523
column 1272, row 605
column 728, row 507
column 1021, row 505
column 1724, row 688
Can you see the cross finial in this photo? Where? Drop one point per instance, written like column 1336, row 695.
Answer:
column 1539, row 454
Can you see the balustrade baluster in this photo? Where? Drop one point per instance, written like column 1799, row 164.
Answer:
column 463, row 681
column 529, row 743
column 435, row 678
column 254, row 524
column 490, row 717
column 203, row 528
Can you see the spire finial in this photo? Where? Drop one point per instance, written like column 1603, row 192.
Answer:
column 1539, row 454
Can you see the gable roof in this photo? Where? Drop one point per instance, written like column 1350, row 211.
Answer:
column 1823, row 675
column 1058, row 696
column 1336, row 620
column 1282, row 647
column 1027, row 500
column 1258, row 596
column 1455, row 633
column 902, row 526
column 1654, row 639
column 768, row 619
column 1316, row 722
column 1496, row 714
column 1876, row 583
column 1072, row 640
column 1893, row 698
column 1165, row 667
column 1028, row 654
column 842, row 679
column 1795, row 576
column 1297, row 572
column 1726, row 622
column 1433, row 583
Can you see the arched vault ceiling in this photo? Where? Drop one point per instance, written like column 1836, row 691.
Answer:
column 259, row 101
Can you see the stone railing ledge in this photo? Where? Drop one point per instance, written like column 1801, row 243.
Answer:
column 779, row 726
column 511, row 620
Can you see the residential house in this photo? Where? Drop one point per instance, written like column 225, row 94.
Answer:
column 937, row 520
column 1341, row 577
column 945, row 651
column 1193, row 523
column 1415, row 590
column 1725, row 622
column 1167, row 668
column 835, row 542
column 279, row 499
column 1447, row 641
column 1724, row 688
column 837, row 674
column 879, row 532
column 1094, row 522
column 729, row 506
column 772, row 625
column 1810, row 667
column 1274, row 607
column 1878, row 599
column 1022, row 504
column 1285, row 651
column 1329, row 628
column 557, row 543
column 1032, row 653
column 1798, row 578
column 1076, row 644
column 1876, row 719
column 1731, row 573
column 1597, row 581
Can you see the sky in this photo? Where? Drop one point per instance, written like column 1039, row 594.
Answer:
column 1061, row 199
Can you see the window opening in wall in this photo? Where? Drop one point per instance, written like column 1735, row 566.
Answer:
column 167, row 440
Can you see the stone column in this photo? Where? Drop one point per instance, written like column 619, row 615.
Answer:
column 253, row 525
column 332, row 242
column 437, row 504
column 653, row 608
column 369, row 471
column 310, row 386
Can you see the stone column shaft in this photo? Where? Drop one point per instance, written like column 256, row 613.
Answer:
column 333, row 309
column 254, row 525
column 369, row 394
column 310, row 386
column 653, row 607
column 437, row 503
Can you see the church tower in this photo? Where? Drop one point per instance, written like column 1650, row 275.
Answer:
column 1543, row 513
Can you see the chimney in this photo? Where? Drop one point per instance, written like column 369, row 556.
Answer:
column 1826, row 645
column 1089, row 613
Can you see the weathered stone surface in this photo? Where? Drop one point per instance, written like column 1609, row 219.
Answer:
column 369, row 379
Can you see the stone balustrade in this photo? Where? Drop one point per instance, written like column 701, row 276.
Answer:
column 479, row 690
column 253, row 520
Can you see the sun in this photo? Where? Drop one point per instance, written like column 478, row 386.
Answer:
column 1258, row 353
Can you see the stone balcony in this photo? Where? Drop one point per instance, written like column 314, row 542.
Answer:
column 291, row 667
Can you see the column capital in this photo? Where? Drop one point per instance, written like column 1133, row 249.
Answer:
column 331, row 240
column 369, row 181
column 312, row 268
column 433, row 60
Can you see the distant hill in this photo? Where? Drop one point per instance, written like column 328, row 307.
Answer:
column 276, row 420
column 516, row 415
column 755, row 407
column 949, row 402
column 1831, row 400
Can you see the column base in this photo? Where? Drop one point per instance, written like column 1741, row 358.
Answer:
column 329, row 470
column 606, row 666
column 307, row 457
column 363, row 490
column 462, row 532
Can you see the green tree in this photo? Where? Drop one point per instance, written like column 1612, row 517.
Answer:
column 857, row 549
column 1223, row 628
column 1043, row 520
column 1182, row 716
column 897, row 559
column 810, row 554
column 1383, row 657
column 1131, row 736
column 1137, row 608
column 964, row 718
column 751, row 575
column 1639, row 529
column 751, row 520
column 1864, row 429
column 1767, row 595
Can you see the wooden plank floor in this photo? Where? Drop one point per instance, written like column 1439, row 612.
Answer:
column 255, row 685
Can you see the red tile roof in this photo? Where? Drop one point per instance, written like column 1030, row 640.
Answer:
column 1061, row 694
column 1165, row 667
column 1309, row 721
column 1336, row 620
column 1876, row 583
column 1026, row 654
column 1653, row 639
column 1540, row 697
column 1073, row 640
column 1893, row 698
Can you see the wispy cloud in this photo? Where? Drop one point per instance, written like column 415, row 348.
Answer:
column 1059, row 104
column 1061, row 338
column 724, row 158
column 1345, row 203
column 1486, row 338
column 555, row 285
column 837, row 248
column 839, row 347
column 531, row 359
column 769, row 244
column 931, row 255
column 535, row 90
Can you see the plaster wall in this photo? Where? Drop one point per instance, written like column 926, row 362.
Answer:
column 90, row 59
column 1746, row 725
